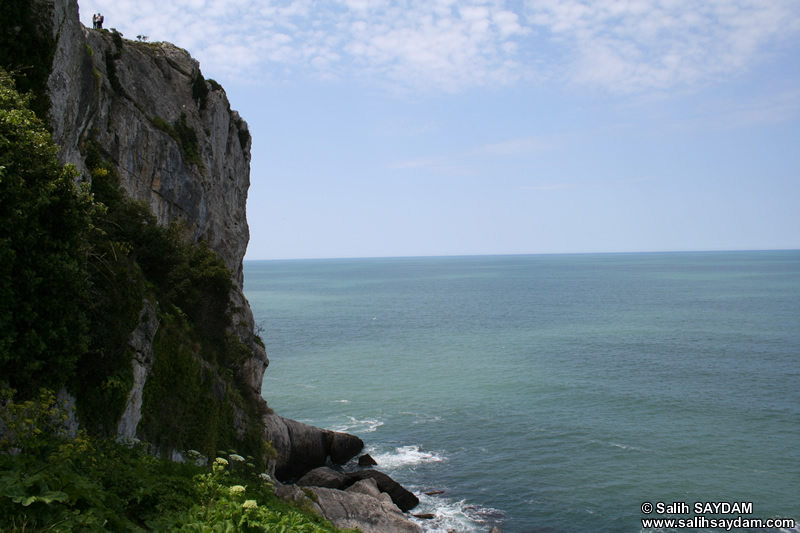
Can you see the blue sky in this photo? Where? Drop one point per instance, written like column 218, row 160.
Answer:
column 445, row 127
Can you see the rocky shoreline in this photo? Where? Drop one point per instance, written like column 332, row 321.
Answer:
column 309, row 470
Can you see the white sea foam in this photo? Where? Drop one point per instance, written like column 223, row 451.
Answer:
column 454, row 515
column 354, row 425
column 406, row 456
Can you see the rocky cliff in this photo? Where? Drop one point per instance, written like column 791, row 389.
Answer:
column 146, row 111
column 177, row 145
column 170, row 134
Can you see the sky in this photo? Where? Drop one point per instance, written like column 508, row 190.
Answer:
column 448, row 127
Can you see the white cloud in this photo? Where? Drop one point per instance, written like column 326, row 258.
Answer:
column 623, row 46
column 640, row 45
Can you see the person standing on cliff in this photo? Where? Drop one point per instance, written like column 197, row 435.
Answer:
column 94, row 21
column 100, row 19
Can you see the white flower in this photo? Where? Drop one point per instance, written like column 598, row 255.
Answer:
column 221, row 461
column 237, row 489
column 250, row 504
column 237, row 458
column 265, row 477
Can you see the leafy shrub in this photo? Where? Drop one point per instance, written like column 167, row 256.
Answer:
column 186, row 405
column 43, row 485
column 235, row 498
column 184, row 135
column 28, row 47
column 60, row 483
column 45, row 221
column 187, row 138
column 200, row 90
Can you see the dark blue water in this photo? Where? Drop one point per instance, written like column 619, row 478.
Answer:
column 549, row 393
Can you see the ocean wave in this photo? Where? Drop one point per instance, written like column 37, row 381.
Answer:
column 406, row 456
column 455, row 515
column 354, row 425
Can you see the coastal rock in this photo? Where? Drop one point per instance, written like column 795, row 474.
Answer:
column 301, row 447
column 344, row 446
column 367, row 460
column 367, row 486
column 403, row 498
column 324, row 477
column 357, row 510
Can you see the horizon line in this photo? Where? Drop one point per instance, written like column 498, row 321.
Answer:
column 525, row 254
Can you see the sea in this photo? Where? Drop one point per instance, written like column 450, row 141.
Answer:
column 551, row 393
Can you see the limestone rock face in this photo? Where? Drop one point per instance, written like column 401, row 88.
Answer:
column 171, row 135
column 180, row 148
column 128, row 97
column 141, row 341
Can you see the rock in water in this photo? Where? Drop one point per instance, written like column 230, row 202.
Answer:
column 367, row 460
column 402, row 497
column 344, row 447
column 302, row 448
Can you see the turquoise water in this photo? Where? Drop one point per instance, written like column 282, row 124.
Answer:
column 549, row 393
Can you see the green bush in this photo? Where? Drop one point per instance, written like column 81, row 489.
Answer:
column 200, row 90
column 186, row 403
column 26, row 46
column 184, row 135
column 45, row 223
column 58, row 482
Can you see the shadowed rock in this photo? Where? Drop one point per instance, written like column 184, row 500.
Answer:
column 302, row 448
column 403, row 498
column 344, row 447
column 351, row 509
column 367, row 460
column 324, row 477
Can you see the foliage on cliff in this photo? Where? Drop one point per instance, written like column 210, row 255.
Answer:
column 59, row 482
column 191, row 396
column 27, row 46
column 44, row 243
column 76, row 264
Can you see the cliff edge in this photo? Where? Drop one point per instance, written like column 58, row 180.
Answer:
column 144, row 113
column 171, row 135
column 173, row 359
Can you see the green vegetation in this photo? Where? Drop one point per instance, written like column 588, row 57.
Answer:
column 27, row 47
column 44, row 246
column 244, row 135
column 111, row 63
column 55, row 481
column 200, row 90
column 76, row 265
column 184, row 135
column 80, row 261
column 190, row 396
